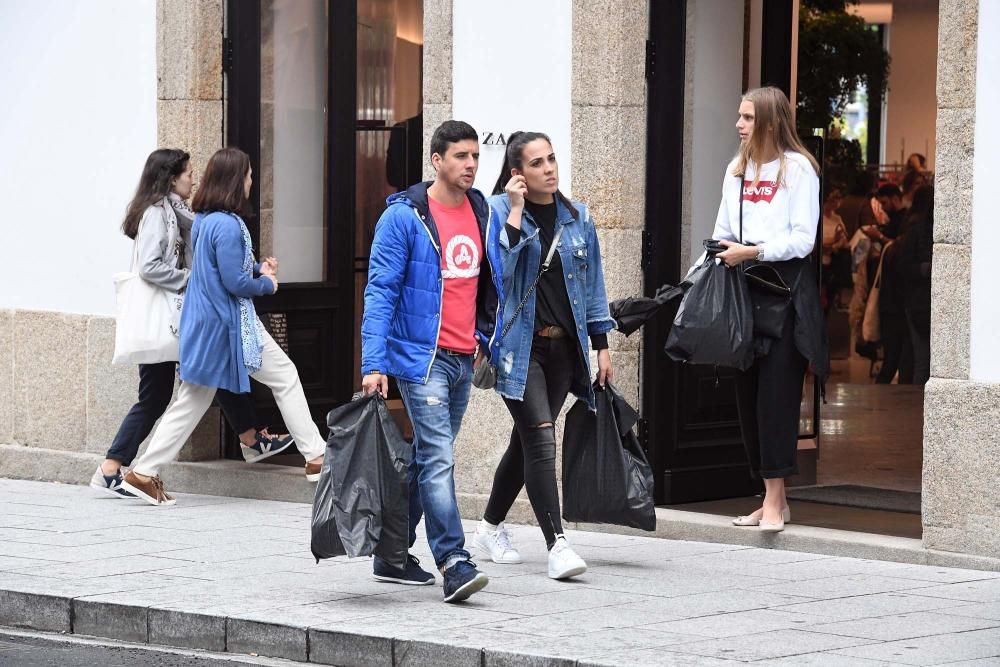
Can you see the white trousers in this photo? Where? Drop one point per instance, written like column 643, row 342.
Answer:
column 277, row 372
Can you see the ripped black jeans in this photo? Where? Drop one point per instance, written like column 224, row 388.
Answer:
column 530, row 459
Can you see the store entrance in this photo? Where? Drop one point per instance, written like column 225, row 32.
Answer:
column 860, row 454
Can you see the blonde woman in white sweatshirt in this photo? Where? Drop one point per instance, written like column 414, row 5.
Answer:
column 769, row 214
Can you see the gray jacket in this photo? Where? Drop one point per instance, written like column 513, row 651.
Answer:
column 163, row 247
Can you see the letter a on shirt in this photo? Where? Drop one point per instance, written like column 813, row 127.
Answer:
column 461, row 257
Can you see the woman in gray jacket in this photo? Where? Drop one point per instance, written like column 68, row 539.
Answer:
column 160, row 222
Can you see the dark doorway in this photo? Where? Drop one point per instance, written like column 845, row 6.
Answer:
column 694, row 438
column 693, row 428
column 326, row 98
column 290, row 89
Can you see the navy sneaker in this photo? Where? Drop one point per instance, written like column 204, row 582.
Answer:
column 412, row 574
column 462, row 580
column 109, row 484
column 267, row 445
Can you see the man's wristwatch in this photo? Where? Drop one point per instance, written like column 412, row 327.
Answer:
column 760, row 253
column 374, row 373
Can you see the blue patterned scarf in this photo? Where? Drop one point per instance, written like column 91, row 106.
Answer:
column 251, row 329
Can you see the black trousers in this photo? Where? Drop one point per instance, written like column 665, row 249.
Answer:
column 530, row 459
column 919, row 322
column 769, row 399
column 156, row 386
column 898, row 350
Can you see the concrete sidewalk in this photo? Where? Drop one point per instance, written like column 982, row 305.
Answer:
column 236, row 575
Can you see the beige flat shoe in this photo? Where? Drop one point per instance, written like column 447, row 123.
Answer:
column 751, row 521
column 771, row 527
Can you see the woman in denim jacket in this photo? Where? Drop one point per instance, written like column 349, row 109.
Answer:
column 545, row 353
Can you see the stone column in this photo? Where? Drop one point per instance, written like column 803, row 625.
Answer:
column 189, row 111
column 961, row 500
column 437, row 91
column 609, row 149
column 189, row 74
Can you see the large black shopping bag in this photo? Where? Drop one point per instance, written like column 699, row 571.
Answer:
column 362, row 499
column 606, row 476
column 714, row 324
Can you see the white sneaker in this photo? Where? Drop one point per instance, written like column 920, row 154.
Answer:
column 496, row 542
column 563, row 561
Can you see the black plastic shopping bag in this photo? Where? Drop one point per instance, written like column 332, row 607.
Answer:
column 714, row 324
column 362, row 499
column 606, row 476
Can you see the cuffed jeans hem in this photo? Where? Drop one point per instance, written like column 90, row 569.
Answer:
column 452, row 558
column 780, row 473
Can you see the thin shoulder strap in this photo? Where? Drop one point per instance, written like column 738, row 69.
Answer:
column 741, row 177
column 541, row 270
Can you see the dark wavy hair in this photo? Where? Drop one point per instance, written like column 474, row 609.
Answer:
column 221, row 187
column 156, row 182
column 451, row 132
column 514, row 159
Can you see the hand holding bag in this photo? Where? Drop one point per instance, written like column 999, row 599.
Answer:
column 147, row 319
column 485, row 374
column 714, row 324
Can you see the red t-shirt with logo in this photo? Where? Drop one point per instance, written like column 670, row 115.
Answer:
column 461, row 256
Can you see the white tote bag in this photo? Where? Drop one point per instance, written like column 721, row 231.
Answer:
column 147, row 320
column 871, row 325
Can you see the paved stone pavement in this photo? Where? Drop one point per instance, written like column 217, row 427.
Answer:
column 229, row 574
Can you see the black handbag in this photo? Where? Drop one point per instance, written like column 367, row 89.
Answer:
column 769, row 293
column 770, row 296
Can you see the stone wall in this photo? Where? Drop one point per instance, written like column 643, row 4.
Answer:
column 609, row 149
column 438, row 74
column 59, row 390
column 189, row 76
column 961, row 500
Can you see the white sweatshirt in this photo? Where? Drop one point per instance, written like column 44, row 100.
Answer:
column 781, row 217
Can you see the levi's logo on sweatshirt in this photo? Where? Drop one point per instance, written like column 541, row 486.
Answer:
column 763, row 191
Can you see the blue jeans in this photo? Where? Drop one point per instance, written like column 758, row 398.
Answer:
column 436, row 410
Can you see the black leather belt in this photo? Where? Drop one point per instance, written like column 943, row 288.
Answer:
column 453, row 353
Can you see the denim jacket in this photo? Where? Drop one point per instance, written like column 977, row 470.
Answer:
column 583, row 272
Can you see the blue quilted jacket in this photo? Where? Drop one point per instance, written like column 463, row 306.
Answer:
column 402, row 315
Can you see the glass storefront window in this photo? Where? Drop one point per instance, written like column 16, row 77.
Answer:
column 294, row 136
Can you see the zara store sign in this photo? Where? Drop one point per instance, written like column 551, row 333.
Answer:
column 514, row 77
column 493, row 139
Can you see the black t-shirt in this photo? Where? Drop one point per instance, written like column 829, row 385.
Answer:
column 552, row 307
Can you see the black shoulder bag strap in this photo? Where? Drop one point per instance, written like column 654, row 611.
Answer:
column 544, row 267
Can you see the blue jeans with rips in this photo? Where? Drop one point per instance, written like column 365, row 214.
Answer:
column 436, row 410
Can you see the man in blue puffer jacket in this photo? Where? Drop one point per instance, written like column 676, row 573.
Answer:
column 432, row 300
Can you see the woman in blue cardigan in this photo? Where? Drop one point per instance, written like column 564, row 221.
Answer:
column 222, row 342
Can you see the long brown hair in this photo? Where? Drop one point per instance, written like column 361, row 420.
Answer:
column 513, row 158
column 156, row 182
column 772, row 117
column 222, row 185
